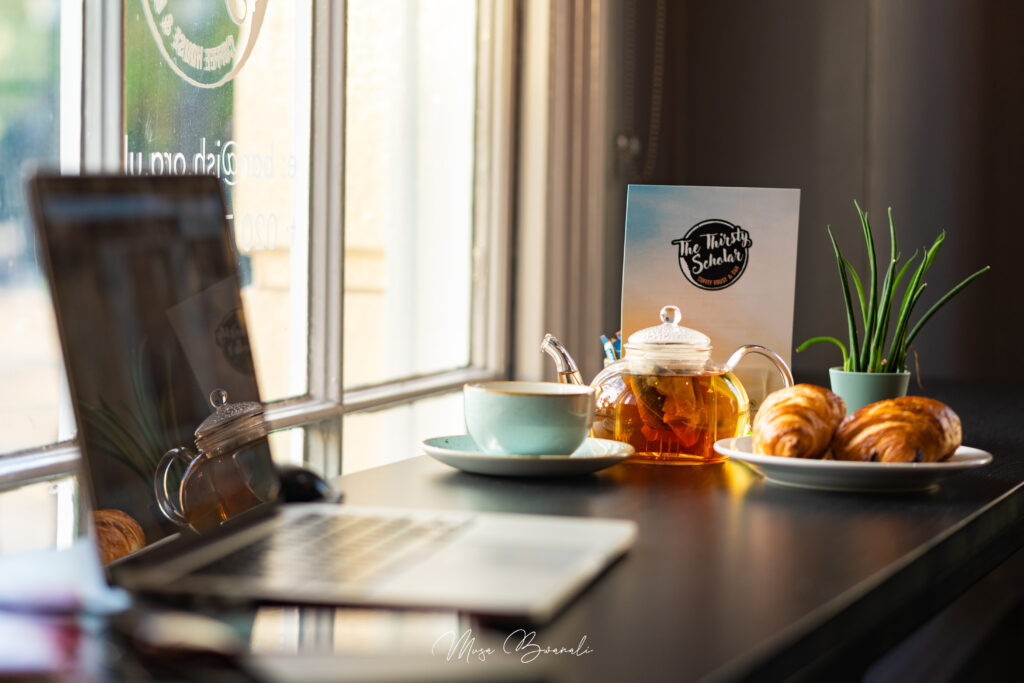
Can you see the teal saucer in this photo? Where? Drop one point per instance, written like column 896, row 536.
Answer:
column 462, row 453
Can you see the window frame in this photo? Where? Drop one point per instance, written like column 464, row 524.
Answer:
column 99, row 132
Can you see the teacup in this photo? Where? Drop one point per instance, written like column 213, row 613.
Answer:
column 528, row 418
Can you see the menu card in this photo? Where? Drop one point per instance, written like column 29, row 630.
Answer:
column 726, row 256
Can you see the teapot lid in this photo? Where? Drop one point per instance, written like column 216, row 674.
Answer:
column 231, row 424
column 669, row 336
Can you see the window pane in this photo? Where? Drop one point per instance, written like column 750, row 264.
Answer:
column 39, row 516
column 370, row 439
column 209, row 90
column 409, row 142
column 29, row 137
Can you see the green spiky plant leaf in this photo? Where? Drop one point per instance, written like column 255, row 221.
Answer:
column 866, row 350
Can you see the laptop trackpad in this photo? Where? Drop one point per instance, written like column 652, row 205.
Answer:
column 527, row 566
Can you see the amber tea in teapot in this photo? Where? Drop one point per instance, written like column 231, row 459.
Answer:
column 666, row 397
column 672, row 417
column 215, row 489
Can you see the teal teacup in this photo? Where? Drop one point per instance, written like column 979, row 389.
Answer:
column 528, row 418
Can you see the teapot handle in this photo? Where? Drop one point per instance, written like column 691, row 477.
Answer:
column 775, row 358
column 170, row 505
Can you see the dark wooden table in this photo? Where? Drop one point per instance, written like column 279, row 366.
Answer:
column 733, row 578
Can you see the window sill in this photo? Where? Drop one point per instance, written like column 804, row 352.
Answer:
column 40, row 464
column 61, row 459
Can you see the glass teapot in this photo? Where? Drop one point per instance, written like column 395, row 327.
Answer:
column 665, row 396
column 223, row 477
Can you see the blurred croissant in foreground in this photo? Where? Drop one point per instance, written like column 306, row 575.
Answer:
column 797, row 422
column 117, row 534
column 907, row 429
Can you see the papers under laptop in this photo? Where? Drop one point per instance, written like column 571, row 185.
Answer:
column 147, row 290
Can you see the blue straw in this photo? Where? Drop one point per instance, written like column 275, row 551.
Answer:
column 609, row 348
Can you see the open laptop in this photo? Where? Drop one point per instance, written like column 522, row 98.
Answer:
column 146, row 287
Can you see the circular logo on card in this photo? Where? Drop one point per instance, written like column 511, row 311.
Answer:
column 713, row 254
column 206, row 43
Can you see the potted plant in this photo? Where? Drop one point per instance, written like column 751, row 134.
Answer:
column 875, row 357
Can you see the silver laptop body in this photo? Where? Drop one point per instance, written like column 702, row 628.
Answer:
column 146, row 283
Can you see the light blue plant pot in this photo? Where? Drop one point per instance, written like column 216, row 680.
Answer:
column 858, row 389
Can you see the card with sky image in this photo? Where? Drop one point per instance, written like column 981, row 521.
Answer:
column 726, row 256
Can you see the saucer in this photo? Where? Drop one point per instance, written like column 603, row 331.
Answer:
column 462, row 453
column 846, row 475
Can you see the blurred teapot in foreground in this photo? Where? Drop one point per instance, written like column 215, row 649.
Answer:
column 666, row 397
column 222, row 477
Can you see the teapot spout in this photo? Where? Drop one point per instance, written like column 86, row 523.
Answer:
column 568, row 373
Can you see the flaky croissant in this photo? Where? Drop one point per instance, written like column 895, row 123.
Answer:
column 117, row 534
column 906, row 429
column 797, row 422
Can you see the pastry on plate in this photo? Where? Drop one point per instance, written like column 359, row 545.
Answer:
column 906, row 429
column 797, row 422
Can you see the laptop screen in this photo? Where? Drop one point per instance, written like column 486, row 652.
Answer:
column 145, row 283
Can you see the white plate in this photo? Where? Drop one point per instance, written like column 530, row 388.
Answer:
column 462, row 453
column 844, row 475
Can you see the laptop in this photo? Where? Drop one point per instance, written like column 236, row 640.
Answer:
column 146, row 286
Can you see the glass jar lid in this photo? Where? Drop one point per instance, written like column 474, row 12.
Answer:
column 231, row 426
column 669, row 338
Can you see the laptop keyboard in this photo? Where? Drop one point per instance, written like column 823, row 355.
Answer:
column 345, row 548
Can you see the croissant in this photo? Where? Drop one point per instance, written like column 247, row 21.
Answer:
column 117, row 534
column 798, row 421
column 907, row 429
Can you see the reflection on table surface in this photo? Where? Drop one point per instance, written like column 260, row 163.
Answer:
column 350, row 630
column 349, row 643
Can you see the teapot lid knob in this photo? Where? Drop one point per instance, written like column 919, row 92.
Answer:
column 671, row 315
column 218, row 397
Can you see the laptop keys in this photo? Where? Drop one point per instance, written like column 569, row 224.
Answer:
column 346, row 549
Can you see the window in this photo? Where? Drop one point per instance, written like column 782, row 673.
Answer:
column 30, row 124
column 409, row 161
column 409, row 134
column 184, row 112
column 364, row 148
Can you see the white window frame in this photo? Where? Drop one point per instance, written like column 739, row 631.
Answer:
column 99, row 144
